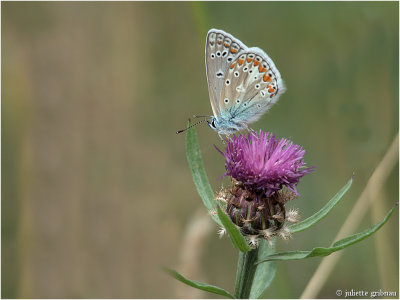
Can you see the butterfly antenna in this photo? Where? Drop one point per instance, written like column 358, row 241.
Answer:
column 195, row 116
column 182, row 130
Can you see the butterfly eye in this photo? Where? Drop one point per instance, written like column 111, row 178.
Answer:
column 212, row 124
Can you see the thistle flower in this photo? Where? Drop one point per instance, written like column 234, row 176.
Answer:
column 265, row 172
column 262, row 162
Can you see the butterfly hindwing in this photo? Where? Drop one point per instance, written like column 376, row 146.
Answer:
column 221, row 50
column 251, row 86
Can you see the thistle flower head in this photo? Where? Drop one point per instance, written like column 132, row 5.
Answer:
column 265, row 172
column 262, row 162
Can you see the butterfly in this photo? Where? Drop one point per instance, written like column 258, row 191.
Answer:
column 243, row 83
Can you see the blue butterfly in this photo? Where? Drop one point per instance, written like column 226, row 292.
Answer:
column 243, row 83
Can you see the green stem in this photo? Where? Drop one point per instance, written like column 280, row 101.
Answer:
column 245, row 273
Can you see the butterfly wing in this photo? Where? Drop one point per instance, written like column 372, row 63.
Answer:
column 221, row 50
column 251, row 86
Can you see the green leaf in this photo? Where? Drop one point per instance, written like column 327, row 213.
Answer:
column 234, row 233
column 265, row 273
column 321, row 251
column 199, row 285
column 198, row 172
column 318, row 216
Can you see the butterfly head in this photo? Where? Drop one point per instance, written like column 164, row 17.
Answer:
column 225, row 126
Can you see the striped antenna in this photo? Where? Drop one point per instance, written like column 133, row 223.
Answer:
column 182, row 130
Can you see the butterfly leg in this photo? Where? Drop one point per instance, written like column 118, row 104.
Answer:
column 221, row 138
column 252, row 131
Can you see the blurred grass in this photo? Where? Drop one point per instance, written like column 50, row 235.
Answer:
column 95, row 179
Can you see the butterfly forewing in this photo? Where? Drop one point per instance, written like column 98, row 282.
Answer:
column 251, row 86
column 221, row 50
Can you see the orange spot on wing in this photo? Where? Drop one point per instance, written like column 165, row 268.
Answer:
column 271, row 90
column 249, row 59
column 233, row 50
column 219, row 42
column 256, row 62
column 226, row 45
column 233, row 65
column 240, row 61
column 266, row 78
column 271, row 95
column 261, row 69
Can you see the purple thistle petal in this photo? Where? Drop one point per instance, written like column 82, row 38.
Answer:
column 264, row 163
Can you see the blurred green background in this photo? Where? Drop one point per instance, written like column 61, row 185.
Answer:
column 96, row 190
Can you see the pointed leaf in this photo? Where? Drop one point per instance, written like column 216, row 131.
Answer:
column 199, row 285
column 234, row 233
column 318, row 216
column 321, row 251
column 265, row 273
column 198, row 172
